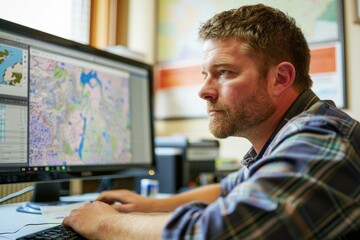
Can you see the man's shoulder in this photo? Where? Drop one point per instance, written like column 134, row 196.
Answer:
column 324, row 114
column 323, row 117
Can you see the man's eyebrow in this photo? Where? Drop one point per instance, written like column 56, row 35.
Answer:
column 214, row 66
column 222, row 64
column 224, row 61
column 216, row 63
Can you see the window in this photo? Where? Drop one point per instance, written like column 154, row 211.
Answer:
column 65, row 18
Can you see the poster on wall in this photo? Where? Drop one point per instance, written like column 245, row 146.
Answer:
column 178, row 78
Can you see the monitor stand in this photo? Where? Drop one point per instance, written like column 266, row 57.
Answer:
column 45, row 194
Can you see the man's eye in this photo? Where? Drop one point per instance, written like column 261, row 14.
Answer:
column 204, row 75
column 223, row 72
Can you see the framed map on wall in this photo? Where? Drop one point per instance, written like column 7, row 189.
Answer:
column 179, row 51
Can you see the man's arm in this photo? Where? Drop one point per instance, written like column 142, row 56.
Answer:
column 132, row 202
column 206, row 194
column 100, row 221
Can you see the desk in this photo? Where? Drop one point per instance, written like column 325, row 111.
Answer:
column 11, row 220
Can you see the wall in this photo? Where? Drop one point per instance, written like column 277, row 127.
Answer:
column 352, row 40
column 142, row 28
column 236, row 147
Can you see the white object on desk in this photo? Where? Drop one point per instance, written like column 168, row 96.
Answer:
column 26, row 223
column 56, row 214
column 12, row 221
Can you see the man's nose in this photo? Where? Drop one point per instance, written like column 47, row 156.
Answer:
column 208, row 90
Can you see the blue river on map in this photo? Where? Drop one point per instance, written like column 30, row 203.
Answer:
column 85, row 79
column 15, row 56
column 81, row 146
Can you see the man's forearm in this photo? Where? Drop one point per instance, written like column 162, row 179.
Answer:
column 206, row 194
column 135, row 226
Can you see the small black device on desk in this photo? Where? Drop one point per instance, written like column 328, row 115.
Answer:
column 182, row 161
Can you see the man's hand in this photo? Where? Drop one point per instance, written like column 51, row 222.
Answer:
column 91, row 220
column 99, row 220
column 133, row 202
column 129, row 201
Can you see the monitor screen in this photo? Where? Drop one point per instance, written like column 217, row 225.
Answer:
column 68, row 110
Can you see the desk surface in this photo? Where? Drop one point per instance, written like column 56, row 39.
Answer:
column 17, row 224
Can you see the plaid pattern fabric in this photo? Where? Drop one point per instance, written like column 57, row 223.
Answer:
column 305, row 184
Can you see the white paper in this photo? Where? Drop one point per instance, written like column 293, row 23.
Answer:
column 57, row 213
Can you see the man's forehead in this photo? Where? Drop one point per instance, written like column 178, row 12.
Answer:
column 222, row 52
column 212, row 46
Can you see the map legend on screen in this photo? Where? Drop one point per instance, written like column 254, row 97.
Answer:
column 13, row 132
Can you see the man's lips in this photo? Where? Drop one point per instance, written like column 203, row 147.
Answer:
column 212, row 112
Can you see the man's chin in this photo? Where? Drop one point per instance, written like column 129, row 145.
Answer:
column 220, row 135
column 218, row 131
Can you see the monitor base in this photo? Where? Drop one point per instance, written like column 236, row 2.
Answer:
column 45, row 194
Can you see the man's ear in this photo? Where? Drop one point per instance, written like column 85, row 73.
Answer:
column 284, row 77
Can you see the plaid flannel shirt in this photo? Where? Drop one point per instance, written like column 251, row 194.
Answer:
column 304, row 184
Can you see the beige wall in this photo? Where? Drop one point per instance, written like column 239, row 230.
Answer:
column 236, row 147
column 352, row 45
column 230, row 148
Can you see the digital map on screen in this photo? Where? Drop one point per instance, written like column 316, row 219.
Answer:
column 13, row 70
column 79, row 114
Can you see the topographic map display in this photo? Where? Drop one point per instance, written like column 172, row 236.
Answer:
column 78, row 115
column 12, row 71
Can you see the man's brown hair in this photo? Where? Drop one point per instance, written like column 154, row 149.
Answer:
column 271, row 35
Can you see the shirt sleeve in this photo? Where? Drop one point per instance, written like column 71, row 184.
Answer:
column 184, row 223
column 293, row 192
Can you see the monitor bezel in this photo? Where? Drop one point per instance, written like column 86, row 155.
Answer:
column 15, row 175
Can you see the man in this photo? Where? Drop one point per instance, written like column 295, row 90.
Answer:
column 301, row 178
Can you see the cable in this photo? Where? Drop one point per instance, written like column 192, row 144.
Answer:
column 26, row 225
column 16, row 194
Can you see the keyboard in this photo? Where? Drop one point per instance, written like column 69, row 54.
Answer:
column 58, row 232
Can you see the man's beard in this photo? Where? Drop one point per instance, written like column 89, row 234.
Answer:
column 244, row 119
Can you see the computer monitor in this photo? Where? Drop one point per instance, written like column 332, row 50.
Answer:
column 68, row 110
